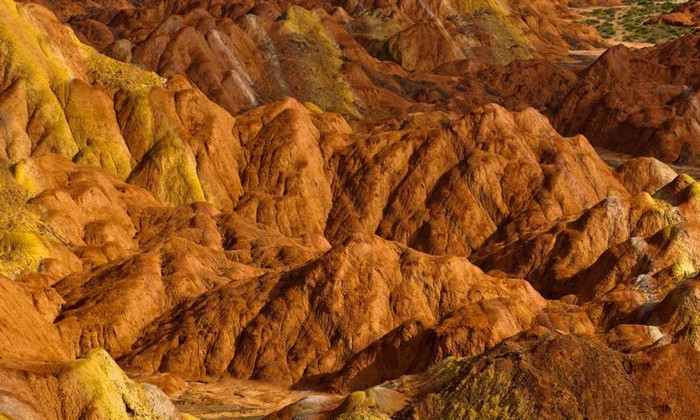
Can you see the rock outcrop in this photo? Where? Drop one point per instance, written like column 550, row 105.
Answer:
column 445, row 186
column 641, row 102
column 565, row 377
column 684, row 14
column 92, row 387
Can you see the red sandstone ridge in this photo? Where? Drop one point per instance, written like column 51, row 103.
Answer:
column 637, row 101
column 361, row 58
column 684, row 14
column 367, row 209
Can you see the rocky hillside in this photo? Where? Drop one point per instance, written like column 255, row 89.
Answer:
column 388, row 206
column 356, row 58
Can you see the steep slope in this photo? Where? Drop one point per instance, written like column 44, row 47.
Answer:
column 308, row 321
column 641, row 102
column 444, row 185
column 169, row 139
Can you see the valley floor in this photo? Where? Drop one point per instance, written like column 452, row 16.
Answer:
column 232, row 399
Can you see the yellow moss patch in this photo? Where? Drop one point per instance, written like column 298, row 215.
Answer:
column 362, row 405
column 108, row 392
column 46, row 57
column 27, row 54
column 90, row 114
column 488, row 395
column 692, row 193
column 29, row 49
column 136, row 119
column 682, row 269
column 114, row 74
column 313, row 107
column 377, row 25
column 506, row 40
column 318, row 61
column 21, row 250
column 471, row 6
column 25, row 175
column 21, row 244
column 171, row 172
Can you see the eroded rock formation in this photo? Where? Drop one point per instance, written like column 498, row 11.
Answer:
column 296, row 193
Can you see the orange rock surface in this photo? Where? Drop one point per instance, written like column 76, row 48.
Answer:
column 367, row 209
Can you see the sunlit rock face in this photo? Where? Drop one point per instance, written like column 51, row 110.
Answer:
column 356, row 58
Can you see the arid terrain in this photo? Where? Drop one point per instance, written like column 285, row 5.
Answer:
column 349, row 209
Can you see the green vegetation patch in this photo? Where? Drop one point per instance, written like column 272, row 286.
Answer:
column 627, row 23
